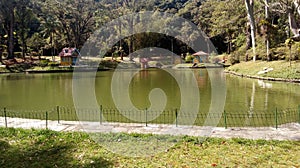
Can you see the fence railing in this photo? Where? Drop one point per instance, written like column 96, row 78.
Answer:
column 176, row 117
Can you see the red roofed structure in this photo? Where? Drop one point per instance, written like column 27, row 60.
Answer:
column 69, row 56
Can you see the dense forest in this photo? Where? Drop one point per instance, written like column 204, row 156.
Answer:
column 254, row 29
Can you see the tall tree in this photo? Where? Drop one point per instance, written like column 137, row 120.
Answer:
column 7, row 10
column 251, row 19
column 224, row 19
column 24, row 19
column 76, row 18
column 50, row 30
column 267, row 38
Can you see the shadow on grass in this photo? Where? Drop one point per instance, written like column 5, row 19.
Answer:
column 45, row 149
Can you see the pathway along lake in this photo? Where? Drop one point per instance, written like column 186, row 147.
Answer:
column 46, row 91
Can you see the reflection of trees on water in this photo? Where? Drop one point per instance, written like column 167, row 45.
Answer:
column 201, row 77
column 251, row 107
column 248, row 95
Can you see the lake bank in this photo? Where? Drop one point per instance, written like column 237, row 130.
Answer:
column 288, row 131
column 46, row 66
column 273, row 71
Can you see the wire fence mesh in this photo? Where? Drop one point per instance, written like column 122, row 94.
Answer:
column 171, row 116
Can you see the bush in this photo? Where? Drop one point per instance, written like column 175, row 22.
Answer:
column 18, row 54
column 234, row 57
column 189, row 58
column 54, row 64
column 109, row 64
column 43, row 63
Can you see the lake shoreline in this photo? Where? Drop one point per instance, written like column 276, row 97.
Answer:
column 283, row 132
column 280, row 71
column 262, row 78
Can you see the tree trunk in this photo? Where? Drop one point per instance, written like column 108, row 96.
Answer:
column 11, row 35
column 23, row 47
column 52, row 49
column 251, row 108
column 1, row 50
column 290, row 52
column 250, row 13
column 267, row 31
column 121, row 42
column 248, row 37
column 296, row 4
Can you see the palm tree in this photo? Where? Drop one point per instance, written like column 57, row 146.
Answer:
column 49, row 30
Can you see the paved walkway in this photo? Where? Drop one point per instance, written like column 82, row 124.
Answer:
column 284, row 132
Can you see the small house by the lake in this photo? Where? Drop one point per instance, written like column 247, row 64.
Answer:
column 201, row 57
column 69, row 56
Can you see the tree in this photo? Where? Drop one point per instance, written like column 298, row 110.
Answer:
column 267, row 36
column 35, row 43
column 24, row 19
column 7, row 11
column 289, row 42
column 250, row 13
column 49, row 30
column 225, row 19
column 76, row 18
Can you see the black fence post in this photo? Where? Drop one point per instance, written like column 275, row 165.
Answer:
column 276, row 118
column 176, row 115
column 146, row 111
column 101, row 108
column 46, row 119
column 58, row 115
column 225, row 119
column 299, row 114
column 5, row 117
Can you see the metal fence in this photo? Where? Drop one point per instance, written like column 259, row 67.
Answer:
column 176, row 117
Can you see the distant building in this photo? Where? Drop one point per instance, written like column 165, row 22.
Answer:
column 69, row 56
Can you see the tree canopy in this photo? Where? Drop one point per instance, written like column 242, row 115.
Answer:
column 47, row 26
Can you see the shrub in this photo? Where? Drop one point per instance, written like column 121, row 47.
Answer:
column 189, row 58
column 109, row 64
column 54, row 64
column 18, row 54
column 43, row 63
column 235, row 57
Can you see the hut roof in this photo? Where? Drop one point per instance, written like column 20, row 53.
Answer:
column 201, row 53
column 69, row 52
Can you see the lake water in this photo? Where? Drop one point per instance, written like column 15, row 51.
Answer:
column 45, row 91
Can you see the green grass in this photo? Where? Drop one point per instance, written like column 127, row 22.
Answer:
column 282, row 69
column 45, row 148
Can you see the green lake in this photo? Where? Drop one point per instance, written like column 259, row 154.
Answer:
column 25, row 92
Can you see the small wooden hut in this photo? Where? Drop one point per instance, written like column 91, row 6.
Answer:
column 69, row 56
column 201, row 57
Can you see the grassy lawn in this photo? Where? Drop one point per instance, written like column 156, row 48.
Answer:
column 45, row 148
column 282, row 69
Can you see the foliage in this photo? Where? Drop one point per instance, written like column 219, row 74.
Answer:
column 58, row 24
column 74, row 19
column 108, row 64
column 43, row 63
column 189, row 58
column 225, row 18
column 234, row 57
column 289, row 42
column 35, row 42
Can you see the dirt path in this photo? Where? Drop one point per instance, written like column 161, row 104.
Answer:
column 284, row 132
